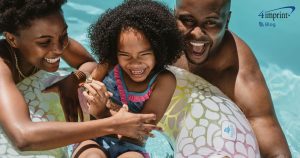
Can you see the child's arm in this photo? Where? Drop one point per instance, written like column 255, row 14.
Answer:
column 100, row 71
column 161, row 96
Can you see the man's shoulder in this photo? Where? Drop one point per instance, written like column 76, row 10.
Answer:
column 249, row 72
column 246, row 57
column 241, row 46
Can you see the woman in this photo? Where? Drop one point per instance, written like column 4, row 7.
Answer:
column 36, row 38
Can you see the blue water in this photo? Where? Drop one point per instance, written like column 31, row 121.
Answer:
column 276, row 48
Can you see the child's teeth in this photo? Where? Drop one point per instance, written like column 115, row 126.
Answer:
column 137, row 72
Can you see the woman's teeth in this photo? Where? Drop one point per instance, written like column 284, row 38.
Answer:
column 52, row 60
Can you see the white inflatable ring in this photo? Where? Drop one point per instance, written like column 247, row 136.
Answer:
column 202, row 122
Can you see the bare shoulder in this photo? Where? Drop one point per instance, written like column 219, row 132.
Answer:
column 4, row 54
column 247, row 59
column 166, row 81
column 248, row 65
column 167, row 78
column 5, row 64
column 5, row 71
column 251, row 92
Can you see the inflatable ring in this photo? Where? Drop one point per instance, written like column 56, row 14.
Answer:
column 42, row 107
column 202, row 122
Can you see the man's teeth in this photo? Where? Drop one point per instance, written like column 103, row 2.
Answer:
column 198, row 46
column 137, row 72
column 52, row 60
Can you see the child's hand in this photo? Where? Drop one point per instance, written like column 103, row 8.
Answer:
column 96, row 97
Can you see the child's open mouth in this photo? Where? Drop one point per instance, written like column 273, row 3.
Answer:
column 137, row 72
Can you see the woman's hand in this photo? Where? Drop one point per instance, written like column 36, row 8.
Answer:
column 132, row 125
column 95, row 98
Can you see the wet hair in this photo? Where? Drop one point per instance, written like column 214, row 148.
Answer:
column 151, row 18
column 18, row 14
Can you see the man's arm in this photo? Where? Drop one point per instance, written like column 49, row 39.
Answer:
column 253, row 97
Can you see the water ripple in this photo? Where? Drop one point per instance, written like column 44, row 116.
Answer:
column 85, row 8
column 284, row 86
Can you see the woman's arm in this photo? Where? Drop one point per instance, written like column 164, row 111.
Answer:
column 27, row 135
column 78, row 57
column 161, row 96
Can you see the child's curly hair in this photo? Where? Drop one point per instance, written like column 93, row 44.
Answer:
column 17, row 14
column 151, row 18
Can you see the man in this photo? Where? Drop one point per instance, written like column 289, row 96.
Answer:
column 222, row 58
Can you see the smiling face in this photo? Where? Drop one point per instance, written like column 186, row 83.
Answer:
column 43, row 42
column 203, row 23
column 135, row 55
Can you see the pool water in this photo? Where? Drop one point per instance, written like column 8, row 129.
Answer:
column 276, row 47
column 274, row 43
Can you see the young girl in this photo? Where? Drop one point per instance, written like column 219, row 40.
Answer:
column 135, row 42
column 36, row 38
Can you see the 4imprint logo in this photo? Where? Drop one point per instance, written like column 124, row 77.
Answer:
column 270, row 17
column 279, row 13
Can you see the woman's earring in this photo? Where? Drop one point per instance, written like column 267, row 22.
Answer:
column 12, row 43
column 9, row 39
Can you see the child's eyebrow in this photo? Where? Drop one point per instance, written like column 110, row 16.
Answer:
column 137, row 52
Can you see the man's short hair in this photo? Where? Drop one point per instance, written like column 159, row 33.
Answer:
column 227, row 2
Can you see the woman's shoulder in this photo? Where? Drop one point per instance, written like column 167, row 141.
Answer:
column 4, row 54
column 5, row 60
